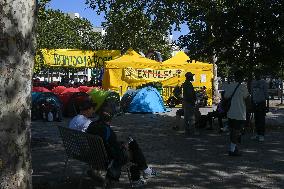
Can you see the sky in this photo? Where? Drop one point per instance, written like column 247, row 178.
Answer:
column 79, row 6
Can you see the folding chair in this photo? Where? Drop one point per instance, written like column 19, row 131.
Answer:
column 86, row 148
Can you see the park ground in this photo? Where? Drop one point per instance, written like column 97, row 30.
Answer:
column 182, row 162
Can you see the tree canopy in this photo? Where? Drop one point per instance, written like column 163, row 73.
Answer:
column 127, row 26
column 134, row 30
column 246, row 34
column 56, row 30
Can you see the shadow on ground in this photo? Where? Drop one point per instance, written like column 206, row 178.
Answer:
column 182, row 162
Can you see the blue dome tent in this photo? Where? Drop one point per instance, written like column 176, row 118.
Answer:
column 127, row 99
column 147, row 100
column 43, row 103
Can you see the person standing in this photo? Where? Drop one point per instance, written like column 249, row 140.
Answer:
column 238, row 93
column 259, row 91
column 189, row 99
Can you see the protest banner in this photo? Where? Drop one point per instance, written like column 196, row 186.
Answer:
column 78, row 58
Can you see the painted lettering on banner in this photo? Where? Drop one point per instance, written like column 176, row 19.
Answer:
column 79, row 61
column 151, row 74
column 78, row 58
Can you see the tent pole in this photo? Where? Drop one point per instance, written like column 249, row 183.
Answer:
column 51, row 79
column 281, row 85
column 48, row 75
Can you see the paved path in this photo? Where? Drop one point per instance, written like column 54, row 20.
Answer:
column 182, row 162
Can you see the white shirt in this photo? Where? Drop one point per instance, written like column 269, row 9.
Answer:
column 80, row 123
column 238, row 106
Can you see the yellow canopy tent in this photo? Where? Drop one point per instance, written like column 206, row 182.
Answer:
column 203, row 72
column 125, row 72
column 132, row 70
column 178, row 58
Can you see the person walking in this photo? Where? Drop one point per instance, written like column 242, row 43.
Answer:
column 236, row 114
column 259, row 90
column 189, row 99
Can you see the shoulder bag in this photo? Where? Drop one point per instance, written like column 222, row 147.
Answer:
column 226, row 104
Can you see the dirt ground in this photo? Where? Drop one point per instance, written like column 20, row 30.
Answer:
column 182, row 162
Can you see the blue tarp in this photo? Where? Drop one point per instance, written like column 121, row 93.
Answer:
column 147, row 100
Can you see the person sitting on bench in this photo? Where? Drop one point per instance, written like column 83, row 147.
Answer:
column 119, row 152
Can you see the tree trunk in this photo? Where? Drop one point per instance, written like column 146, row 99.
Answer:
column 216, row 95
column 17, row 21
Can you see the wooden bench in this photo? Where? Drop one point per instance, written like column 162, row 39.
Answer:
column 86, row 148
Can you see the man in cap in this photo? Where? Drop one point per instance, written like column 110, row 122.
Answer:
column 189, row 98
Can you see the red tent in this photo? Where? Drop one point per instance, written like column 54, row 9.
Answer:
column 66, row 94
column 85, row 88
column 70, row 90
column 58, row 89
column 40, row 89
column 64, row 98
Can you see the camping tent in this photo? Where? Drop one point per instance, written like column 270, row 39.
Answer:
column 58, row 89
column 98, row 96
column 105, row 99
column 127, row 99
column 147, row 100
column 177, row 58
column 43, row 102
column 72, row 101
column 40, row 89
column 132, row 70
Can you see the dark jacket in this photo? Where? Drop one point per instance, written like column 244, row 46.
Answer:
column 189, row 94
column 116, row 153
column 113, row 147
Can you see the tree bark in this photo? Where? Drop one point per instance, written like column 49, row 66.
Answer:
column 17, row 23
column 216, row 95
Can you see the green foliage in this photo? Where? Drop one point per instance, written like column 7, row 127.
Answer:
column 39, row 64
column 56, row 30
column 42, row 4
column 243, row 34
column 128, row 26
